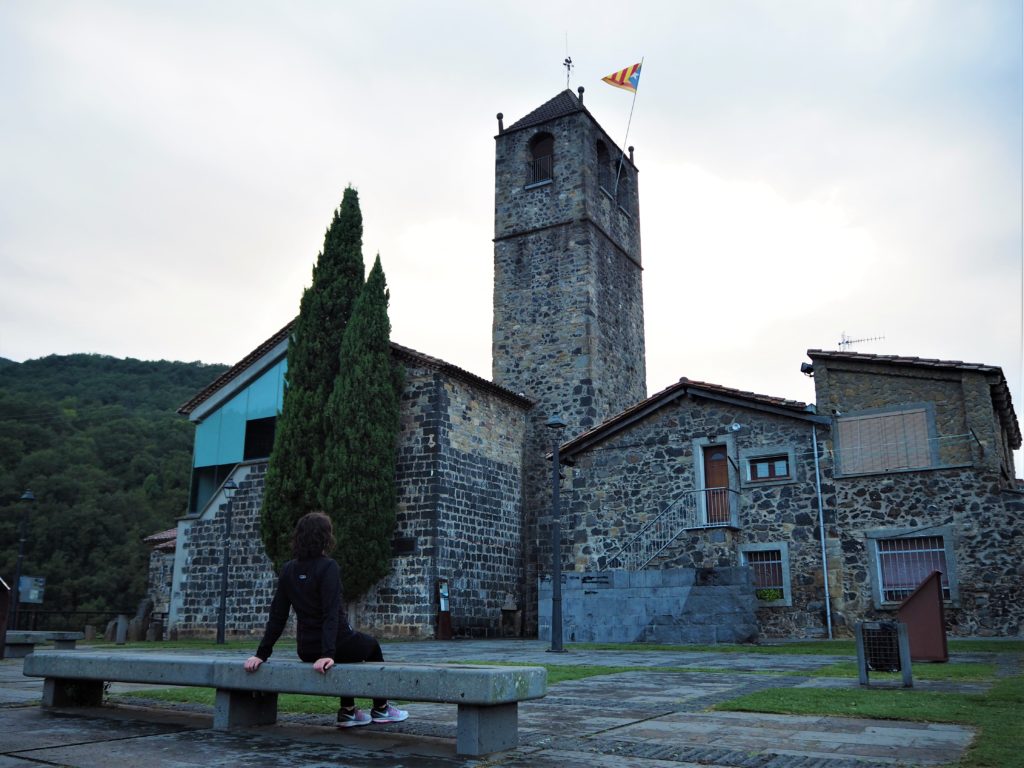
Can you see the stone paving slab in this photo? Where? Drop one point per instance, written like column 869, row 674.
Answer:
column 650, row 718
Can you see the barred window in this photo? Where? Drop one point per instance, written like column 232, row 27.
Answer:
column 542, row 149
column 903, row 563
column 883, row 442
column 769, row 566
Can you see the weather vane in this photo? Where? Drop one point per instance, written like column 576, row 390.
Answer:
column 568, row 69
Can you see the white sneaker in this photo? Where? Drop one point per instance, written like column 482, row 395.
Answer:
column 352, row 719
column 389, row 714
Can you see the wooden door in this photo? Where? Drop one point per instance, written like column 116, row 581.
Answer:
column 716, row 484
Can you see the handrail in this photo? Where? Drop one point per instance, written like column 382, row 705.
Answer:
column 717, row 510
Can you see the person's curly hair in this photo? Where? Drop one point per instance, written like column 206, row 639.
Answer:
column 314, row 536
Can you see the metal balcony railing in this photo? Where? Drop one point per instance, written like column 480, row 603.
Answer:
column 540, row 169
column 707, row 508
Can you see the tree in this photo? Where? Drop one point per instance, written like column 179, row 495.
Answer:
column 86, row 433
column 297, row 459
column 358, row 491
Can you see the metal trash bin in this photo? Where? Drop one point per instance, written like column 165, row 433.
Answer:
column 883, row 646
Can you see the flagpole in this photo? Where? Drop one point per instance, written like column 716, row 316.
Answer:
column 622, row 149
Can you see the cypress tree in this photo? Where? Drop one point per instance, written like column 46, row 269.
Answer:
column 297, row 460
column 359, row 490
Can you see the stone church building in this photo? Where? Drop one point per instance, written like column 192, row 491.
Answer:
column 701, row 513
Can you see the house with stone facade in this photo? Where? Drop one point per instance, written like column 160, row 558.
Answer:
column 836, row 512
column 922, row 461
column 700, row 513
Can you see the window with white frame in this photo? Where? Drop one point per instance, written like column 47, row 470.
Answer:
column 764, row 468
column 769, row 566
column 884, row 442
column 768, row 464
column 902, row 560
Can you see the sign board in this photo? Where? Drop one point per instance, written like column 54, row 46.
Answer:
column 30, row 589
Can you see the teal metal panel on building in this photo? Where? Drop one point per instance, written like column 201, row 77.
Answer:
column 207, row 440
column 264, row 396
column 220, row 438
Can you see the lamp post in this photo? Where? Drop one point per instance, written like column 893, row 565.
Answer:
column 556, row 425
column 27, row 498
column 229, row 488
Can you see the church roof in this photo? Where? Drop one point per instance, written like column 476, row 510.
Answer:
column 397, row 350
column 779, row 406
column 565, row 103
column 163, row 540
column 1001, row 399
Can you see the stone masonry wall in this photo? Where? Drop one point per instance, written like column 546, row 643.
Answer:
column 459, row 478
column 622, row 483
column 972, row 502
column 251, row 578
column 161, row 570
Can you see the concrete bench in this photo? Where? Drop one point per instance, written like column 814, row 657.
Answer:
column 18, row 644
column 487, row 696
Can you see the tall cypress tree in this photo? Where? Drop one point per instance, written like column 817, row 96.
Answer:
column 297, row 461
column 359, row 489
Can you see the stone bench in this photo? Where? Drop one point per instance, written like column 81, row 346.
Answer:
column 18, row 644
column 487, row 696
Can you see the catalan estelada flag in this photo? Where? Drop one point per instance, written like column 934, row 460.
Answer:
column 628, row 78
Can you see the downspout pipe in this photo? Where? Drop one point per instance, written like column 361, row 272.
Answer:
column 821, row 529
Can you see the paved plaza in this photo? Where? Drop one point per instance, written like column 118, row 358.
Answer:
column 652, row 717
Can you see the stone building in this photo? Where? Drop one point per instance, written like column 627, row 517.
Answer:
column 711, row 481
column 459, row 500
column 700, row 513
column 838, row 511
column 924, row 481
column 568, row 324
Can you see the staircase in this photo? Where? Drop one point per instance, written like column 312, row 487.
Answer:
column 706, row 508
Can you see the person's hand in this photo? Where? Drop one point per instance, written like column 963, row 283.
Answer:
column 322, row 665
column 253, row 663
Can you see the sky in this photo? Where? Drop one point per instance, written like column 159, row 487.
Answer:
column 807, row 170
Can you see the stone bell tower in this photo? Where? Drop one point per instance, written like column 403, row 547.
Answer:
column 568, row 297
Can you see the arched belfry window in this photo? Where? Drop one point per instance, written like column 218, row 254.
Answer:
column 604, row 167
column 622, row 190
column 542, row 150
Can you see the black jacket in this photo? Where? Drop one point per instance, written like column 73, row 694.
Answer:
column 313, row 589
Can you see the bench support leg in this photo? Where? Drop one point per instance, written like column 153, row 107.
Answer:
column 487, row 729
column 237, row 708
column 18, row 650
column 58, row 692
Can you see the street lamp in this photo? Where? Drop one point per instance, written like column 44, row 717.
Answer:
column 229, row 488
column 556, row 425
column 27, row 497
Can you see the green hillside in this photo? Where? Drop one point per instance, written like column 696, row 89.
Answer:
column 98, row 442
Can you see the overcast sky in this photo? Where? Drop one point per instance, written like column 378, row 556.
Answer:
column 168, row 169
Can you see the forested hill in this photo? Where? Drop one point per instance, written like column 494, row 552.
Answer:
column 98, row 442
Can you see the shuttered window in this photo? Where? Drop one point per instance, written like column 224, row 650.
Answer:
column 884, row 442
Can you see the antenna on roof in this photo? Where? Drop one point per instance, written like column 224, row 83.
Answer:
column 845, row 341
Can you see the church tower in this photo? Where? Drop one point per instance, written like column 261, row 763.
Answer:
column 568, row 327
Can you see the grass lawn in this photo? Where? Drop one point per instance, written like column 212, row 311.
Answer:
column 996, row 714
